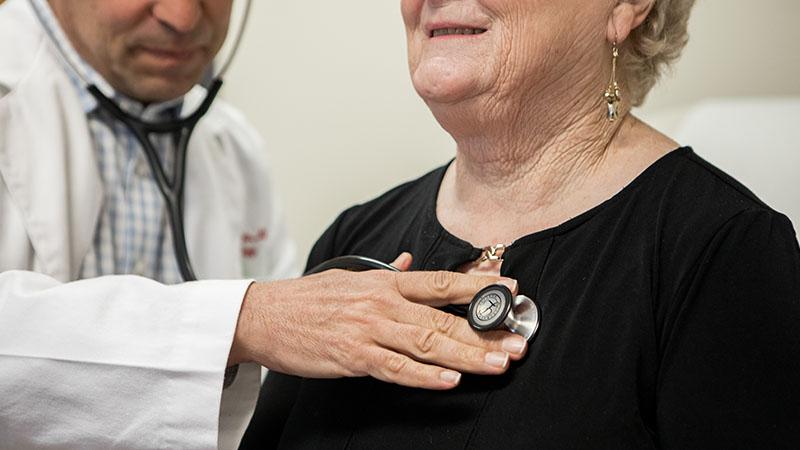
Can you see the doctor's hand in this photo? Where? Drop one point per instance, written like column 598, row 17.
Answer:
column 377, row 323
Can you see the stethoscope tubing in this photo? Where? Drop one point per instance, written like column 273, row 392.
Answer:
column 171, row 190
column 351, row 263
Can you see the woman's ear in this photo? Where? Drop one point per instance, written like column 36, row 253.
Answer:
column 625, row 17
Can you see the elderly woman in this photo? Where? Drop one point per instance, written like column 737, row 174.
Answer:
column 670, row 295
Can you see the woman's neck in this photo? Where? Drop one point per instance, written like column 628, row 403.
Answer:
column 541, row 169
column 533, row 158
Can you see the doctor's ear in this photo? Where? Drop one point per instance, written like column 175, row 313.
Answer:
column 627, row 16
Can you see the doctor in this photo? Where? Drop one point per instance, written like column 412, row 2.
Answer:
column 101, row 346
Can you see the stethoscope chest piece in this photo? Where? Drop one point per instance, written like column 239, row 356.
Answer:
column 495, row 307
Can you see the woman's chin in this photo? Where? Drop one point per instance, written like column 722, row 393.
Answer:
column 438, row 82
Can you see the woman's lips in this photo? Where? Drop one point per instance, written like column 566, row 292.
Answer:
column 440, row 30
column 456, row 32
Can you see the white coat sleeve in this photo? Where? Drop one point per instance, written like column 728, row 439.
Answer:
column 119, row 362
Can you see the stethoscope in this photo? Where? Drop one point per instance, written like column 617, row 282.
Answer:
column 494, row 307
column 171, row 189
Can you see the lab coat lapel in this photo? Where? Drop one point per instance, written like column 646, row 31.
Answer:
column 53, row 176
column 212, row 201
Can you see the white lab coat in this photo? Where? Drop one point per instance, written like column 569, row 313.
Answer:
column 119, row 362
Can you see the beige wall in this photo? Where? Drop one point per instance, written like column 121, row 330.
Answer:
column 326, row 84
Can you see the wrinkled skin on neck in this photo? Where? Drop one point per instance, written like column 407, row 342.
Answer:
column 524, row 102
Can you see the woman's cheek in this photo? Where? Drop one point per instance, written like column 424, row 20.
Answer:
column 411, row 11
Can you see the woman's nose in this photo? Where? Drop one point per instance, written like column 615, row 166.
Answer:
column 181, row 16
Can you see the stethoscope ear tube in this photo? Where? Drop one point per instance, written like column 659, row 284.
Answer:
column 171, row 189
column 492, row 308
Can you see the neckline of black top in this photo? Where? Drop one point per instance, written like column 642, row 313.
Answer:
column 552, row 231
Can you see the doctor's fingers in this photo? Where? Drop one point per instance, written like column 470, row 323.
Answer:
column 442, row 288
column 429, row 346
column 458, row 329
column 393, row 367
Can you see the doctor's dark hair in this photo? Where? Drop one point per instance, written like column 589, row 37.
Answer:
column 653, row 46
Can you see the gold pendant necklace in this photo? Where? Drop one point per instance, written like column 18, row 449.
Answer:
column 493, row 253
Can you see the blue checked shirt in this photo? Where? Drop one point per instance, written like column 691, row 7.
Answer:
column 132, row 234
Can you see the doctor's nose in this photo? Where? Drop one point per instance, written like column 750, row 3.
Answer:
column 181, row 16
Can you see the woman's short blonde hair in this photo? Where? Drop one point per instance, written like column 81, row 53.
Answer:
column 654, row 45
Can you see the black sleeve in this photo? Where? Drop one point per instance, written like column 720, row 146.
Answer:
column 326, row 246
column 730, row 369
column 279, row 391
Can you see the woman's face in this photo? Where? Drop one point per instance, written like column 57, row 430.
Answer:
column 466, row 49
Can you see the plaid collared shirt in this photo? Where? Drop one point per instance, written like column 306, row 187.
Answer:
column 132, row 234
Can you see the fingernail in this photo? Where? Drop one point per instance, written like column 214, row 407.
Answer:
column 450, row 377
column 509, row 283
column 515, row 345
column 497, row 359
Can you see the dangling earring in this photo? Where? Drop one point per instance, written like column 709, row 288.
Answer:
column 612, row 94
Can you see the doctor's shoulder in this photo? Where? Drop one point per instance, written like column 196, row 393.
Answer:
column 235, row 148
column 230, row 130
column 233, row 154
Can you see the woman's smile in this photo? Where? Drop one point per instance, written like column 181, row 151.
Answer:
column 450, row 31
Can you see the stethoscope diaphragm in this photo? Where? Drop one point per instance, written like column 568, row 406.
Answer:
column 490, row 307
column 495, row 307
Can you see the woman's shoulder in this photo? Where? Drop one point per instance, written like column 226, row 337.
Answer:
column 687, row 192
column 703, row 218
column 403, row 199
column 691, row 201
column 698, row 173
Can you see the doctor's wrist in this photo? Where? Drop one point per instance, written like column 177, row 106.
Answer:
column 239, row 353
